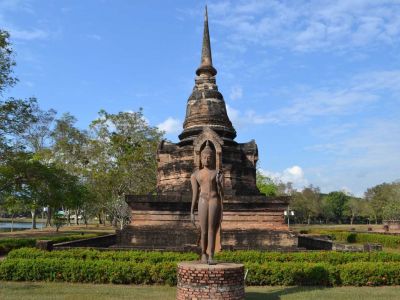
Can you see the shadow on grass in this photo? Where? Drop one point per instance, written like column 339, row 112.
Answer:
column 276, row 294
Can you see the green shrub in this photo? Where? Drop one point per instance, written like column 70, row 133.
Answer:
column 85, row 271
column 366, row 273
column 351, row 238
column 330, row 257
column 391, row 241
column 291, row 273
column 127, row 272
column 152, row 257
column 258, row 257
column 8, row 244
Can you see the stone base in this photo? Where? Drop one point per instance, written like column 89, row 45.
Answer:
column 181, row 238
column 249, row 222
column 202, row 281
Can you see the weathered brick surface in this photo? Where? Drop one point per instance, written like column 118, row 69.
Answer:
column 200, row 281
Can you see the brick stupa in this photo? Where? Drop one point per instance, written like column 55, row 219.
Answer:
column 251, row 220
column 207, row 119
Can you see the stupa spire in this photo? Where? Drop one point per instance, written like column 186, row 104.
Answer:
column 206, row 106
column 206, row 68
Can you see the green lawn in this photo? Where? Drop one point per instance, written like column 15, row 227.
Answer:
column 41, row 290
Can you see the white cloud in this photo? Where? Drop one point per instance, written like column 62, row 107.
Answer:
column 364, row 157
column 233, row 114
column 236, row 93
column 17, row 33
column 15, row 5
column 346, row 98
column 94, row 37
column 294, row 174
column 309, row 25
column 27, row 35
column 29, row 83
column 170, row 125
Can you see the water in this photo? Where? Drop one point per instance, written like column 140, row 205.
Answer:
column 6, row 226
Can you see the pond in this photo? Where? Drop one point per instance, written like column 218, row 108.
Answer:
column 6, row 226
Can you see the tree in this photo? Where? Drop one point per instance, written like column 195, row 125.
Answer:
column 36, row 137
column 335, row 202
column 307, row 203
column 353, row 208
column 122, row 157
column 70, row 146
column 70, row 152
column 379, row 197
column 120, row 211
column 13, row 206
column 391, row 211
column 15, row 117
column 6, row 62
column 37, row 184
column 58, row 220
column 326, row 210
column 266, row 185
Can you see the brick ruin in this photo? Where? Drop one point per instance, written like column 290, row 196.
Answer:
column 251, row 220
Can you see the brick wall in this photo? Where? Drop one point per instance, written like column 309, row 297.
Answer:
column 201, row 281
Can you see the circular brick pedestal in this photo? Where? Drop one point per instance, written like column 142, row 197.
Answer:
column 202, row 281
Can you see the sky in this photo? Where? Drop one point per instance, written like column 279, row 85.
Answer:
column 315, row 83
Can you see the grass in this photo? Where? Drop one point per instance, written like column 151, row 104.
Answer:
column 51, row 231
column 35, row 290
column 344, row 227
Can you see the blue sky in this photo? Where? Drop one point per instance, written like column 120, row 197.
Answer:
column 315, row 83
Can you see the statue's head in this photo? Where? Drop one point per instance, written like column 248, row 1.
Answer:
column 207, row 156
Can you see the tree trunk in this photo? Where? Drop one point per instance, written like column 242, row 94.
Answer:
column 76, row 216
column 99, row 216
column 33, row 213
column 69, row 219
column 351, row 220
column 308, row 220
column 85, row 219
column 49, row 214
column 12, row 223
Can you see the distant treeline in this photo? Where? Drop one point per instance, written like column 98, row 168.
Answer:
column 310, row 206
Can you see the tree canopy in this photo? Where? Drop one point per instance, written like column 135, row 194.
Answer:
column 6, row 62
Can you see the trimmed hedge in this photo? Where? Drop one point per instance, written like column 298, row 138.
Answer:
column 368, row 273
column 292, row 273
column 125, row 272
column 325, row 268
column 258, row 257
column 391, row 241
column 330, row 257
column 8, row 244
column 153, row 257
column 93, row 271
